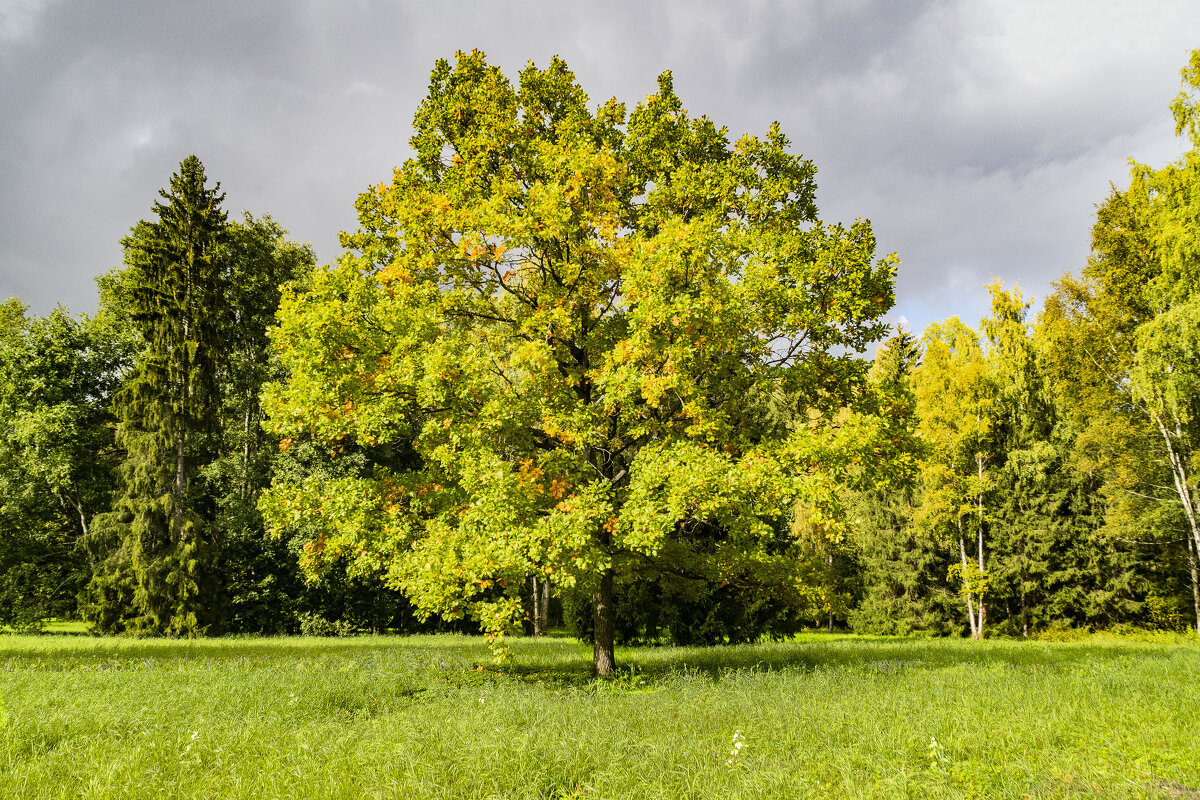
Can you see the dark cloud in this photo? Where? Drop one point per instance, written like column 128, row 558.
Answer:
column 975, row 135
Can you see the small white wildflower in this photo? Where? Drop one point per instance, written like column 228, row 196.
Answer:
column 739, row 742
column 937, row 759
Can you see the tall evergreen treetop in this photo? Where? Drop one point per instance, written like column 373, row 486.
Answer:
column 174, row 292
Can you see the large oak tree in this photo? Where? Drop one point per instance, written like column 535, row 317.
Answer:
column 578, row 319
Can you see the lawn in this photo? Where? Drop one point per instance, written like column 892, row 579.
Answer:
column 433, row 716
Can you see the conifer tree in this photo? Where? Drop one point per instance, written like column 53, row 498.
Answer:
column 157, row 552
column 904, row 569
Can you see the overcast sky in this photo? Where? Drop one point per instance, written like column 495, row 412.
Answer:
column 976, row 135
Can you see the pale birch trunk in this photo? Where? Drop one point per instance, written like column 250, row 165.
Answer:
column 962, row 549
column 979, row 540
column 1194, row 567
column 246, row 453
column 1179, row 471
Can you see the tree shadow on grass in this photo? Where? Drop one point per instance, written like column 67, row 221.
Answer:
column 566, row 662
column 642, row 666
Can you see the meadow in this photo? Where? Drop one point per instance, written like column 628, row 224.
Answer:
column 435, row 716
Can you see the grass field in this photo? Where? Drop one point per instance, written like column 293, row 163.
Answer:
column 398, row 717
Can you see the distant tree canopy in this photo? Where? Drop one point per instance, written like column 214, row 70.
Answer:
column 1137, row 311
column 1060, row 484
column 57, row 454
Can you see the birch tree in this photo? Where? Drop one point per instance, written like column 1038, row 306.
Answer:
column 955, row 406
column 1131, row 322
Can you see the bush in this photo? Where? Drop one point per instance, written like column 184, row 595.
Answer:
column 313, row 624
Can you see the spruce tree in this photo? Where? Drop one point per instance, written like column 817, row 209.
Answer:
column 903, row 567
column 158, row 575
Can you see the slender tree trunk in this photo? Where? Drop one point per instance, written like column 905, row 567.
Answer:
column 962, row 549
column 72, row 503
column 1194, row 566
column 1024, row 609
column 83, row 523
column 604, row 659
column 537, row 603
column 246, row 453
column 69, row 504
column 180, row 491
column 829, row 572
column 541, row 621
column 1179, row 471
column 979, row 545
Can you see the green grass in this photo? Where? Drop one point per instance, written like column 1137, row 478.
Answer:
column 398, row 717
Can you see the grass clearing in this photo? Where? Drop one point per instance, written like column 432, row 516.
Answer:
column 432, row 716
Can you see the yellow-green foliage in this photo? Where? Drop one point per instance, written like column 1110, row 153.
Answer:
column 578, row 316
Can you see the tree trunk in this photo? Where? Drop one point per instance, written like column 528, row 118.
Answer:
column 246, row 453
column 541, row 599
column 604, row 659
column 979, row 544
column 1024, row 609
column 83, row 527
column 537, row 603
column 962, row 549
column 180, row 491
column 1194, row 566
column 829, row 583
column 1179, row 471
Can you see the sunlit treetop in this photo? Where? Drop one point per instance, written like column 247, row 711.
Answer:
column 582, row 318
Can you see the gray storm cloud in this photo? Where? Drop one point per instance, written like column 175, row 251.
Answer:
column 977, row 136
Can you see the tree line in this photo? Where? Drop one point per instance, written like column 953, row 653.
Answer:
column 134, row 453
column 615, row 358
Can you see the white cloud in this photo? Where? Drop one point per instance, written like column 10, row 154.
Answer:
column 18, row 18
column 364, row 89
